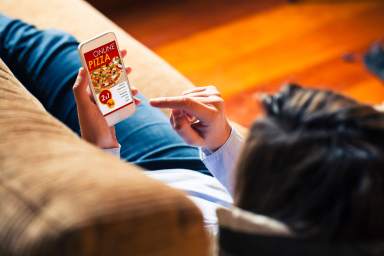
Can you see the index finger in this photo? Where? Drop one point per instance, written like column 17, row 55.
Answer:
column 123, row 53
column 190, row 105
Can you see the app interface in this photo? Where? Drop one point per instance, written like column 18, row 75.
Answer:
column 108, row 80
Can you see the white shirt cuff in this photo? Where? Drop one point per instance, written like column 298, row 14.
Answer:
column 221, row 163
column 113, row 151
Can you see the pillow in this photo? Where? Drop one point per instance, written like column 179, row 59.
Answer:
column 246, row 233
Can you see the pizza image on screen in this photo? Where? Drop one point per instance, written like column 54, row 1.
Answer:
column 105, row 66
column 107, row 75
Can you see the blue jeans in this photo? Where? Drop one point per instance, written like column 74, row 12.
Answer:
column 47, row 62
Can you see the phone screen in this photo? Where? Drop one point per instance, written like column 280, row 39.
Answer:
column 108, row 78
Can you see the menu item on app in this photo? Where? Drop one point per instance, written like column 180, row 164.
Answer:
column 107, row 77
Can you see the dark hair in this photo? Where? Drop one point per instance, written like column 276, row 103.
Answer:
column 316, row 162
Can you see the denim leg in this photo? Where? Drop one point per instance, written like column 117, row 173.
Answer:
column 47, row 61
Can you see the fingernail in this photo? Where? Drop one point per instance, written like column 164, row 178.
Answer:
column 154, row 100
column 78, row 80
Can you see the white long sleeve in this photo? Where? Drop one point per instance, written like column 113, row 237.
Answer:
column 221, row 163
column 208, row 193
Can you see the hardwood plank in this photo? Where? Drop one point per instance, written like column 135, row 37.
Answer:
column 351, row 79
column 157, row 23
column 261, row 48
column 248, row 48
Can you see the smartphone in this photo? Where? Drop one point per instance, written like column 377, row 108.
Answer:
column 108, row 79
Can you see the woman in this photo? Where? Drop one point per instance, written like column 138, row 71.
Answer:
column 314, row 162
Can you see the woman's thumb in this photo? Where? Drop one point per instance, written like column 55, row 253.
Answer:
column 80, row 87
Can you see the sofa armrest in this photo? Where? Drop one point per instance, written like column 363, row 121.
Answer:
column 62, row 196
column 152, row 75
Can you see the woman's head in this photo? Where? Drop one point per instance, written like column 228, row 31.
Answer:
column 316, row 162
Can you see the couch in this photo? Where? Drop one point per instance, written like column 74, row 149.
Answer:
column 62, row 196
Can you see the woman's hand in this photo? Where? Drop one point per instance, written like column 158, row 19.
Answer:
column 198, row 116
column 93, row 126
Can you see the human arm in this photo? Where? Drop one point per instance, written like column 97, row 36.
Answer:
column 199, row 118
column 93, row 126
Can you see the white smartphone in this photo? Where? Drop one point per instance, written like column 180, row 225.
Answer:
column 108, row 79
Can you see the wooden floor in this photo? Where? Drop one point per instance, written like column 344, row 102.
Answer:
column 247, row 48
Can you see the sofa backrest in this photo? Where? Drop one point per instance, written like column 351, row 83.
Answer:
column 62, row 196
column 152, row 75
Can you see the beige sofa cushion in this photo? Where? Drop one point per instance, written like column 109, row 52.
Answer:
column 62, row 196
column 151, row 74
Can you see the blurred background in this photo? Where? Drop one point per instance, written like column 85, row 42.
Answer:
column 247, row 48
